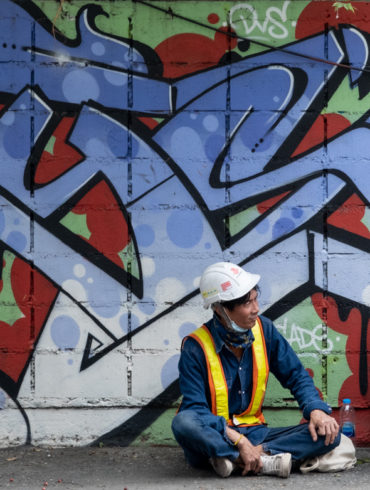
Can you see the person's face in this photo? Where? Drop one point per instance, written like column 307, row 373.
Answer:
column 245, row 315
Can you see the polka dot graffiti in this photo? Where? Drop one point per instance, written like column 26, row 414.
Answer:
column 145, row 235
column 213, row 18
column 210, row 123
column 148, row 266
column 79, row 270
column 186, row 329
column 297, row 213
column 115, row 77
column 79, row 85
column 17, row 240
column 147, row 306
column 98, row 48
column 170, row 371
column 185, row 228
column 65, row 332
column 282, row 227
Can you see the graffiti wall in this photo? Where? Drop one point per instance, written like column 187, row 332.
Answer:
column 142, row 141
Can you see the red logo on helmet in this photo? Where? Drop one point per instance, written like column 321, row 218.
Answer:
column 234, row 270
column 225, row 285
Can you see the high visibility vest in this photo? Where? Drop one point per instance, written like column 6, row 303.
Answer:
column 217, row 383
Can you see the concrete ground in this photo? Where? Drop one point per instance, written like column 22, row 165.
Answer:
column 134, row 468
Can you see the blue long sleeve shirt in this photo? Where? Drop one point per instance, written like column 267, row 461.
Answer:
column 283, row 363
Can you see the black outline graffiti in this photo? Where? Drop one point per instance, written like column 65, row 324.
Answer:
column 12, row 387
column 215, row 218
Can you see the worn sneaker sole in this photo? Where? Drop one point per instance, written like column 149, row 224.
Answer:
column 286, row 466
column 222, row 466
column 277, row 465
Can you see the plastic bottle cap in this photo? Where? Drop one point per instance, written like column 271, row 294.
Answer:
column 346, row 400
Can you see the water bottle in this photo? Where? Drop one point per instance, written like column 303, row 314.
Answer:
column 347, row 419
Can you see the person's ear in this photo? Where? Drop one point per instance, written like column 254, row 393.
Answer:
column 216, row 307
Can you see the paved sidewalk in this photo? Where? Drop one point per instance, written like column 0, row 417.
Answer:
column 134, row 468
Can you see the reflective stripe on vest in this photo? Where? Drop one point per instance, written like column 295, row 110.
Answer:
column 217, row 382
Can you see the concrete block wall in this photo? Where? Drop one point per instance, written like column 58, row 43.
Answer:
column 141, row 142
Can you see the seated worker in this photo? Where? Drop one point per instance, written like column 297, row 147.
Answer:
column 224, row 367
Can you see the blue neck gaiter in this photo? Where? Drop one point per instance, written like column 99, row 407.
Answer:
column 233, row 338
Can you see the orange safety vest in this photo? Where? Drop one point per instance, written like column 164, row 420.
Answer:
column 217, row 383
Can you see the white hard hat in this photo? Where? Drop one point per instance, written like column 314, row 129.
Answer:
column 225, row 281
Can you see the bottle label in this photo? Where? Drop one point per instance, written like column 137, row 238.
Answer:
column 348, row 429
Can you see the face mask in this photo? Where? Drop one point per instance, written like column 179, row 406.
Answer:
column 231, row 325
column 236, row 327
column 230, row 332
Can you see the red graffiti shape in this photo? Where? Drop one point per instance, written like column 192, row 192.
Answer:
column 187, row 53
column 327, row 309
column 34, row 295
column 105, row 221
column 349, row 216
column 316, row 15
column 325, row 127
column 60, row 155
column 213, row 18
column 264, row 206
column 149, row 122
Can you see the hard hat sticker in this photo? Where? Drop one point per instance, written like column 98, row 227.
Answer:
column 226, row 285
column 212, row 292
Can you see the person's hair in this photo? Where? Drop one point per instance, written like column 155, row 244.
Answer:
column 230, row 305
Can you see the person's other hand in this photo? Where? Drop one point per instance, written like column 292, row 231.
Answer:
column 321, row 424
column 250, row 456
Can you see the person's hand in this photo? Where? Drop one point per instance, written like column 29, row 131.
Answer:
column 321, row 424
column 249, row 456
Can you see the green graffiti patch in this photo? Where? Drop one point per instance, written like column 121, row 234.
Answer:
column 9, row 310
column 76, row 223
column 306, row 333
column 129, row 259
column 313, row 342
column 259, row 20
column 239, row 221
column 366, row 218
column 159, row 432
column 346, row 102
column 50, row 145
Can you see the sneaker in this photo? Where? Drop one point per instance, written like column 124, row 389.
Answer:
column 223, row 466
column 278, row 464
